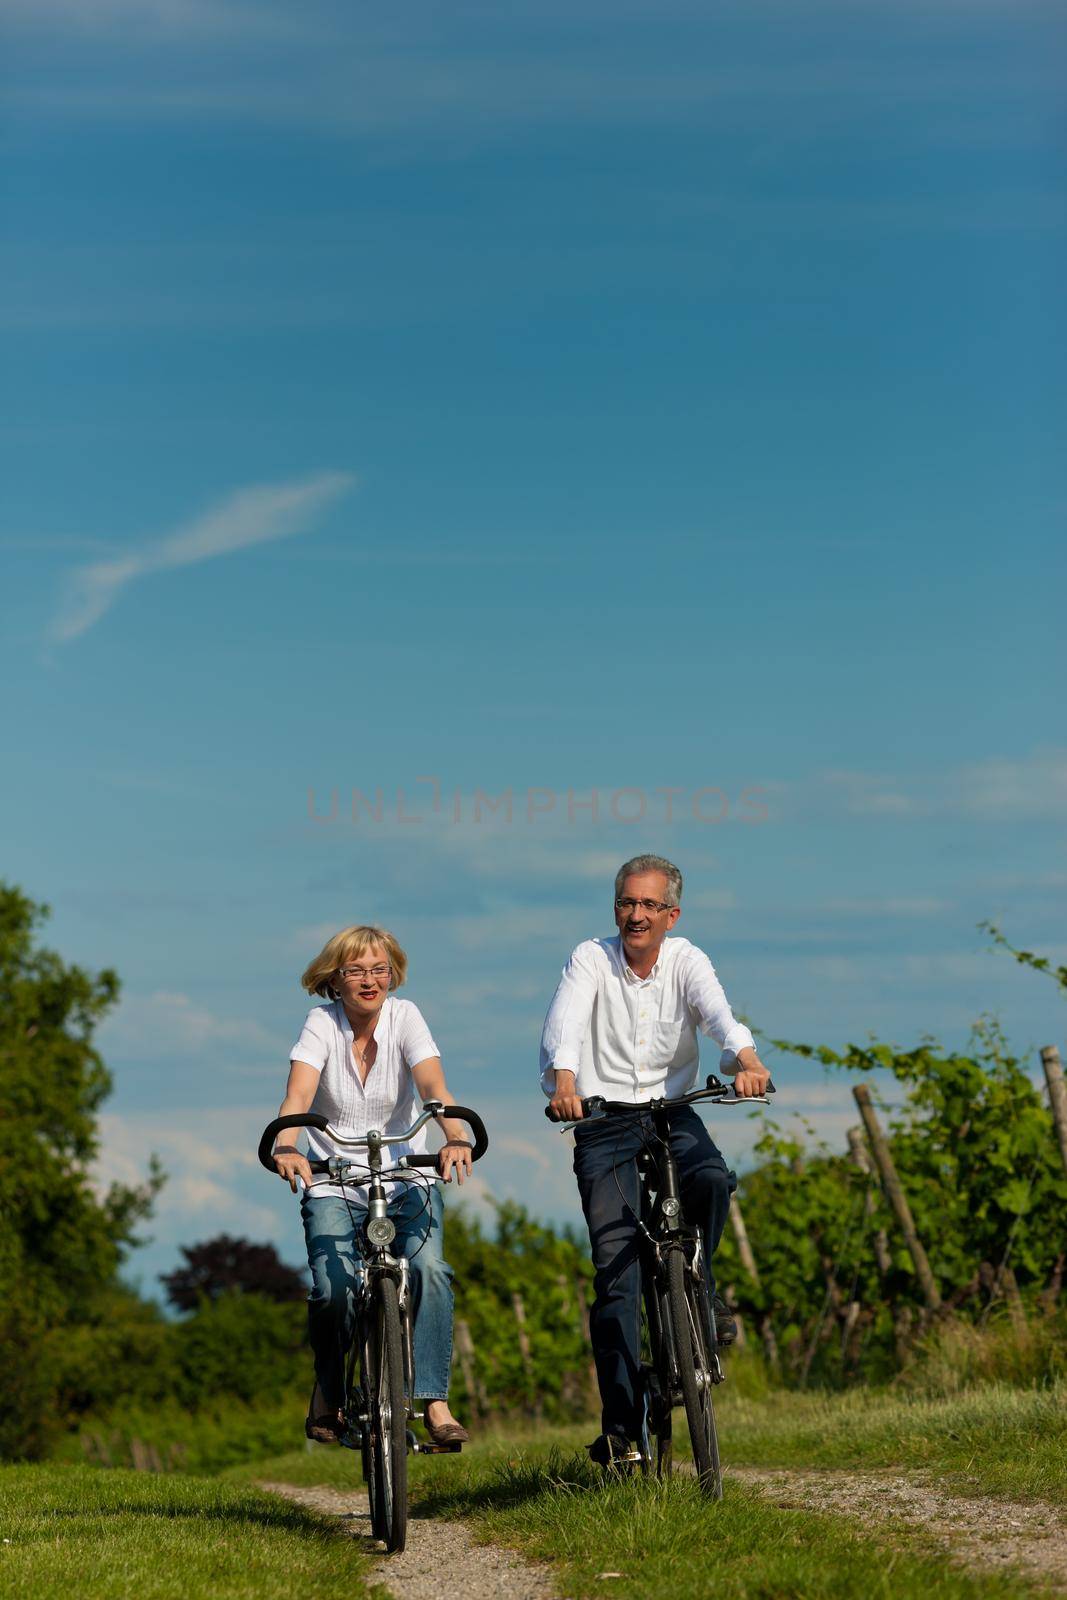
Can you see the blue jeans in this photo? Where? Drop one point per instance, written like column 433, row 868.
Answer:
column 605, row 1153
column 336, row 1267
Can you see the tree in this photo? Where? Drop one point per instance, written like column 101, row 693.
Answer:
column 231, row 1266
column 61, row 1244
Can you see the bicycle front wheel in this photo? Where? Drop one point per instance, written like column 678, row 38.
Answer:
column 695, row 1355
column 387, row 1421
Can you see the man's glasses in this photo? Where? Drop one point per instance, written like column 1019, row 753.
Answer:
column 379, row 974
column 650, row 907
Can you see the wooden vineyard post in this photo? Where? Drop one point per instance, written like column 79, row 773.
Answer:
column 748, row 1261
column 583, row 1318
column 1057, row 1094
column 858, row 1151
column 896, row 1196
column 519, row 1307
column 476, row 1395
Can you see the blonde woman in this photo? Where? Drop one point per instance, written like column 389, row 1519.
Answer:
column 366, row 1060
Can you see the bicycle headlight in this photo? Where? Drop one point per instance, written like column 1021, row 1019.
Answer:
column 380, row 1230
column 670, row 1208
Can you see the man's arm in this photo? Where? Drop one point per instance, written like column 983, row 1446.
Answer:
column 564, row 1033
column 707, row 1000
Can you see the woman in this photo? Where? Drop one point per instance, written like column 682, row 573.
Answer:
column 366, row 1060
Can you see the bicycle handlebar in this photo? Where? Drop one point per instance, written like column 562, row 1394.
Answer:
column 315, row 1119
column 428, row 1158
column 722, row 1094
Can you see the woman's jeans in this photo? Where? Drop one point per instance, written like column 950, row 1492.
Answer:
column 605, row 1164
column 336, row 1267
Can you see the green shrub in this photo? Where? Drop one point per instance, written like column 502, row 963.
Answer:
column 956, row 1355
column 240, row 1347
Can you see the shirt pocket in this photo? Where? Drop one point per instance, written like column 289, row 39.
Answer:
column 666, row 1039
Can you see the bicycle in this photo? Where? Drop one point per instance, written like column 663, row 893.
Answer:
column 378, row 1407
column 681, row 1364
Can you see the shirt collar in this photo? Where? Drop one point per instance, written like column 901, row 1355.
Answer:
column 631, row 977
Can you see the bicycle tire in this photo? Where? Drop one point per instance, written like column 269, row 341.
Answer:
column 388, row 1421
column 368, row 1452
column 690, row 1329
column 655, row 1442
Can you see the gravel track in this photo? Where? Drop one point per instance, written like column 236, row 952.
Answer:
column 977, row 1533
column 440, row 1560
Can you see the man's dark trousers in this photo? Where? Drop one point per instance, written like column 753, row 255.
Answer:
column 605, row 1165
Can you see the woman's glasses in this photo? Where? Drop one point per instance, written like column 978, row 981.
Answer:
column 379, row 974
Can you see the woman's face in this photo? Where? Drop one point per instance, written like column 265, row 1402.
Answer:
column 363, row 983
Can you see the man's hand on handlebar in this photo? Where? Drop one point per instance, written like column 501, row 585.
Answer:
column 566, row 1103
column 752, row 1076
column 290, row 1165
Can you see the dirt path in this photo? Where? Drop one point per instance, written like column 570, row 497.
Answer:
column 440, row 1559
column 977, row 1533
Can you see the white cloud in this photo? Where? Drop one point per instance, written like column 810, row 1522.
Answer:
column 251, row 516
column 1011, row 791
column 167, row 1024
column 998, row 789
column 891, row 906
column 204, row 1154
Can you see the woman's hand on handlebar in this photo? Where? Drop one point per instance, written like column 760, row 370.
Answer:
column 566, row 1103
column 454, row 1157
column 290, row 1165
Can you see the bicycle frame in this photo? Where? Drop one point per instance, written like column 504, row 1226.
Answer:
column 679, row 1307
column 380, row 1403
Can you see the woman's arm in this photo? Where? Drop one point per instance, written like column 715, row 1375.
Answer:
column 299, row 1093
column 430, row 1084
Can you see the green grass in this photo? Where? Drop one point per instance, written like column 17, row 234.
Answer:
column 109, row 1535
column 994, row 1440
column 665, row 1538
column 102, row 1534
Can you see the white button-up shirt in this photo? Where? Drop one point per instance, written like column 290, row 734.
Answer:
column 635, row 1039
column 387, row 1101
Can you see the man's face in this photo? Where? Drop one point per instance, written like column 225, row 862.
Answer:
column 640, row 920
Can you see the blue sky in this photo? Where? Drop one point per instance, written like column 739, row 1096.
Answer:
column 532, row 398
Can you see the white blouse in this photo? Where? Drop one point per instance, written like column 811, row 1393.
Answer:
column 387, row 1101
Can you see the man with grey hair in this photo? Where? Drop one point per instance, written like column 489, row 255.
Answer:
column 623, row 1024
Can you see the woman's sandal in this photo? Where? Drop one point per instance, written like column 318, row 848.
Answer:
column 447, row 1433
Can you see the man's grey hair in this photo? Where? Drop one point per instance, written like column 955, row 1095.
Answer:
column 652, row 864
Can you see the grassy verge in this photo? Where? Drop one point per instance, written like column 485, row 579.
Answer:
column 993, row 1440
column 655, row 1539
column 79, row 1531
column 168, row 1437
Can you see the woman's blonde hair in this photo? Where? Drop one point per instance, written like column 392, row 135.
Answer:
column 347, row 946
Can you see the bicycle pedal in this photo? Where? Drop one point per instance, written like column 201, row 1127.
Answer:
column 436, row 1449
column 350, row 1441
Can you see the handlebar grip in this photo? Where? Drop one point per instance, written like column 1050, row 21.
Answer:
column 295, row 1119
column 592, row 1107
column 477, row 1127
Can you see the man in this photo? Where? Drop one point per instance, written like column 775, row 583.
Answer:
column 623, row 1024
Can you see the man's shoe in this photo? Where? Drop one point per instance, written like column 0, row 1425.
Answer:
column 725, row 1326
column 610, row 1450
column 325, row 1427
